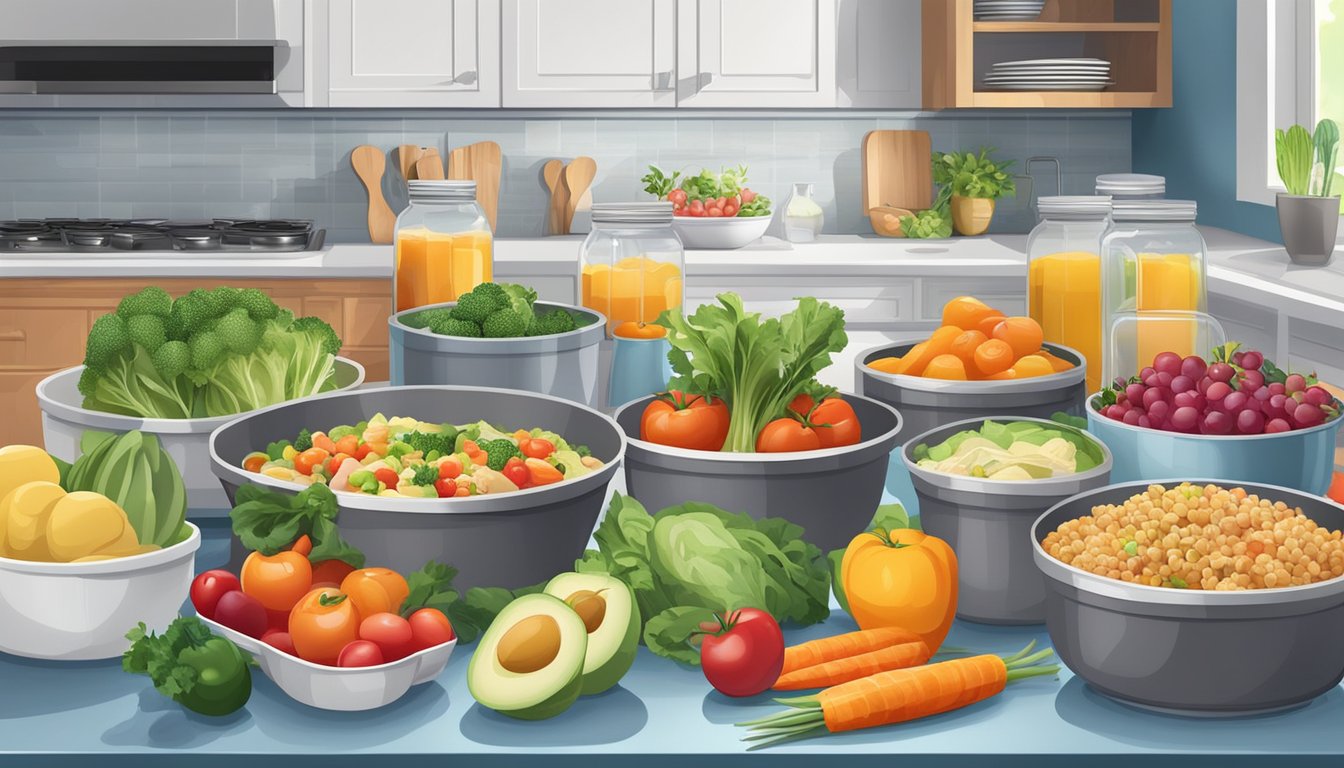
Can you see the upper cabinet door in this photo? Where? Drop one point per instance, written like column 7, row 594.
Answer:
column 880, row 61
column 756, row 53
column 589, row 53
column 413, row 53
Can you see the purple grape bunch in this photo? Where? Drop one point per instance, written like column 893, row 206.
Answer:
column 1238, row 393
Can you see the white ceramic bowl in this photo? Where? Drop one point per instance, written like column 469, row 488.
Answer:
column 719, row 234
column 80, row 611
column 343, row 689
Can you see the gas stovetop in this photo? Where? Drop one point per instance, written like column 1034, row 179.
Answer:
column 111, row 235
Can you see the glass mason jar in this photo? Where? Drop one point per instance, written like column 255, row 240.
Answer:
column 803, row 218
column 631, row 265
column 1153, row 260
column 1064, row 275
column 443, row 246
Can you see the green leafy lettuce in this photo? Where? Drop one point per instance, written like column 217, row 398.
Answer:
column 269, row 521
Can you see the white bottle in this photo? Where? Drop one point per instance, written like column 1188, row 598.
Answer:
column 802, row 216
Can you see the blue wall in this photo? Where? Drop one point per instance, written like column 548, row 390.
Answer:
column 1194, row 143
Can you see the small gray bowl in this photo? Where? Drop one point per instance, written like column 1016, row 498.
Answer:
column 988, row 524
column 1192, row 652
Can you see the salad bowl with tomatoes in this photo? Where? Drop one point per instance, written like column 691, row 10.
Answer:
column 712, row 211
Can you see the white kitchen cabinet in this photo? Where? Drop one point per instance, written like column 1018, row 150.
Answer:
column 413, row 53
column 589, row 53
column 756, row 53
column 879, row 58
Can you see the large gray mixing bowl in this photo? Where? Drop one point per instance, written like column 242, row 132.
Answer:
column 1195, row 652
column 832, row 493
column 988, row 524
column 564, row 365
column 506, row 540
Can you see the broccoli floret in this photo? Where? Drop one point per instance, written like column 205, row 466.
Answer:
column 427, row 318
column 206, row 350
column 239, row 332
column 504, row 324
column 88, row 381
column 557, row 321
column 108, row 338
column 494, row 292
column 190, row 313
column 425, row 474
column 147, row 331
column 500, row 451
column 475, row 307
column 150, row 301
column 534, row 328
column 304, row 441
column 331, row 343
column 172, row 359
column 258, row 305
column 582, row 450
column 223, row 299
column 428, row 442
column 451, row 326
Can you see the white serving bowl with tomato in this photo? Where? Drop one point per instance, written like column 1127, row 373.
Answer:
column 719, row 233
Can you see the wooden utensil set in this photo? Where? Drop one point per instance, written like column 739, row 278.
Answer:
column 571, row 191
column 480, row 162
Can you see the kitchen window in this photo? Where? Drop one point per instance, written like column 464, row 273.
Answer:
column 1290, row 69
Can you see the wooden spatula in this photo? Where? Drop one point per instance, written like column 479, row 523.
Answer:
column 370, row 164
column 430, row 165
column 481, row 162
column 578, row 178
column 551, row 173
column 407, row 154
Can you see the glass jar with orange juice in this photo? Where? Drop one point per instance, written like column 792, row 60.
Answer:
column 631, row 266
column 443, row 246
column 1154, row 259
column 1064, row 275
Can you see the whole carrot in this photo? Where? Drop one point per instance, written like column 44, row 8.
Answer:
column 897, row 696
column 909, row 654
column 837, row 647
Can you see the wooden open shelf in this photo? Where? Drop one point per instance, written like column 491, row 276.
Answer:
column 1134, row 35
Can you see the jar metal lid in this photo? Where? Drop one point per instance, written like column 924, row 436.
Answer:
column 1074, row 206
column 441, row 189
column 632, row 213
column 1154, row 210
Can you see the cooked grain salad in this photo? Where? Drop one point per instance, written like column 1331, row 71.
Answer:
column 1193, row 537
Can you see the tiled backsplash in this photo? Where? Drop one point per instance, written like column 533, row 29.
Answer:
column 297, row 163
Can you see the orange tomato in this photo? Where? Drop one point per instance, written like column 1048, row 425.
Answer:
column 1022, row 334
column 964, row 345
column 347, row 445
column 940, row 343
column 988, row 325
column 320, row 440
column 376, row 590
column 321, row 624
column 1032, row 365
column 278, row 581
column 635, row 330
column 330, row 573
column 994, row 356
column 966, row 312
column 313, row 457
column 946, row 367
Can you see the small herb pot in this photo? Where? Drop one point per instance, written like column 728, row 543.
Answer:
column 1309, row 225
column 971, row 215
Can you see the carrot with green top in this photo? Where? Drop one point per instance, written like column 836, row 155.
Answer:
column 898, row 696
column 838, row 647
column 901, row 656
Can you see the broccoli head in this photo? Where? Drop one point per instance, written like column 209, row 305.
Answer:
column 427, row 318
column 172, row 359
column 317, row 328
column 239, row 332
column 108, row 338
column 534, row 328
column 222, row 299
column 190, row 313
column 451, row 326
column 557, row 321
column 147, row 331
column 475, row 307
column 504, row 324
column 150, row 301
column 493, row 291
column 499, row 452
column 258, row 305
column 207, row 350
column 428, row 442
column 425, row 474
column 304, row 441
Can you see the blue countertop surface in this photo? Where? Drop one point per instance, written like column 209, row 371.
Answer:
column 71, row 713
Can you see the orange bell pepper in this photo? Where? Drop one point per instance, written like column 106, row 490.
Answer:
column 902, row 578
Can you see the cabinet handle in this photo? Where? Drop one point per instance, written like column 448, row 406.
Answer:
column 664, row 81
column 13, row 335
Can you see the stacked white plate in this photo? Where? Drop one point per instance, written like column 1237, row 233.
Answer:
column 1008, row 10
column 1050, row 75
column 1131, row 186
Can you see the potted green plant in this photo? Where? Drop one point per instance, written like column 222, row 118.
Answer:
column 1308, row 212
column 974, row 181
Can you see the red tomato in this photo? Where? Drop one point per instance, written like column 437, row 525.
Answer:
column 744, row 656
column 387, row 477
column 207, row 588
column 802, row 404
column 785, row 435
column 391, row 633
column 517, row 473
column 360, row 653
column 446, row 489
column 696, row 205
column 363, row 451
column 695, row 423
column 677, row 196
column 730, row 210
column 280, row 640
column 429, row 627
column 450, row 469
column 835, row 423
column 537, row 448
column 240, row 611
column 720, row 202
column 276, row 621
column 714, row 213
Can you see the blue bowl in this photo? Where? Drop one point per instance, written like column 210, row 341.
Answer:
column 1302, row 459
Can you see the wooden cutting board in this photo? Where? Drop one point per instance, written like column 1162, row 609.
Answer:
column 897, row 170
column 483, row 163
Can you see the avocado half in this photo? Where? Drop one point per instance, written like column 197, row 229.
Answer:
column 612, row 620
column 529, row 663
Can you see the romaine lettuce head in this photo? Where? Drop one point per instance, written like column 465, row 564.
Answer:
column 697, row 561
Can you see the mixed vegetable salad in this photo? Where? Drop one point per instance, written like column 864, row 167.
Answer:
column 1017, row 450
column 407, row 458
column 707, row 194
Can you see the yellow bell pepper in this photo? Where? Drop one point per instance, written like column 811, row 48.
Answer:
column 902, row 578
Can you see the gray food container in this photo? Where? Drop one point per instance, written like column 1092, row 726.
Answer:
column 988, row 524
column 65, row 420
column 928, row 403
column 832, row 493
column 507, row 540
column 564, row 365
column 1194, row 652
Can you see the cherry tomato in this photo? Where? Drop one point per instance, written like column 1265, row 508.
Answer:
column 446, row 489
column 323, row 442
column 360, row 653
column 322, row 624
column 730, row 210
column 334, row 463
column 240, row 611
column 277, row 621
column 280, row 639
column 516, row 472
column 678, row 197
column 207, row 588
column 363, row 451
column 681, row 421
column 744, row 656
column 537, row 447
column 348, row 444
column 304, row 462
column 836, row 423
column 330, row 573
column 697, row 207
column 387, row 477
column 376, row 590
column 390, row 632
column 714, row 213
column 747, row 196
column 450, row 469
column 277, row 581
column 429, row 627
column 785, row 435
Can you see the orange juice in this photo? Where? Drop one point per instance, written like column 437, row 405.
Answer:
column 636, row 289
column 1167, row 281
column 433, row 267
column 1065, row 298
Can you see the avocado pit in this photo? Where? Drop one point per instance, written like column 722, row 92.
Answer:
column 530, row 645
column 591, row 607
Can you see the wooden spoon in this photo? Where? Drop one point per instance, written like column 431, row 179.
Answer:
column 430, row 165
column 578, row 178
column 551, row 173
column 886, row 219
column 370, row 164
column 407, row 154
column 481, row 162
